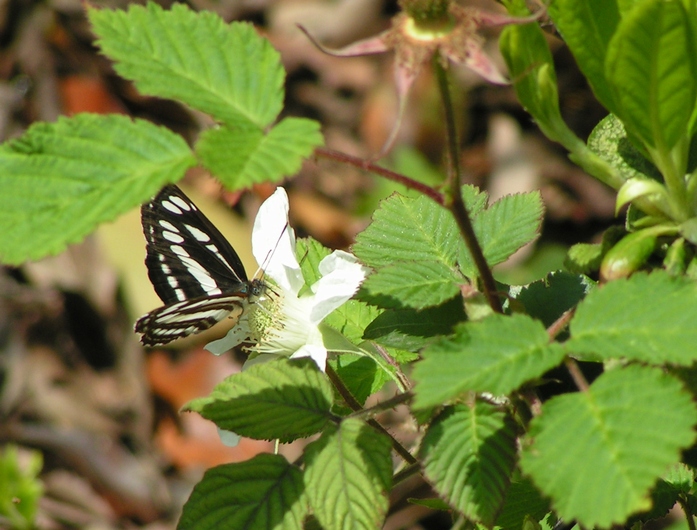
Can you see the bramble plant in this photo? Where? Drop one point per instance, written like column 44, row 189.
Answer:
column 616, row 451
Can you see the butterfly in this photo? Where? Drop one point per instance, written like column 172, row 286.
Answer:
column 194, row 270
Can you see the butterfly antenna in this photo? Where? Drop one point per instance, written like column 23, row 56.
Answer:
column 260, row 271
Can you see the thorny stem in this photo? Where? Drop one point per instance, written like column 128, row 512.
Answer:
column 576, row 374
column 559, row 324
column 454, row 200
column 356, row 406
column 367, row 165
column 571, row 365
column 383, row 405
column 413, row 469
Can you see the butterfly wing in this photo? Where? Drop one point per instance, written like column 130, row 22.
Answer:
column 187, row 257
column 185, row 318
column 193, row 268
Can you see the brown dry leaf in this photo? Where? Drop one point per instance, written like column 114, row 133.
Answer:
column 87, row 93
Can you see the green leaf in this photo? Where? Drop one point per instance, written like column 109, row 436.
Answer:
column 583, row 258
column 597, row 453
column 265, row 492
column 243, row 156
column 351, row 319
column 423, row 237
column 433, row 504
column 413, row 284
column 587, row 27
column 281, row 399
column 650, row 65
column 348, row 474
column 310, row 253
column 411, row 330
column 405, row 229
column 522, row 500
column 227, row 71
column 497, row 355
column 663, row 498
column 507, row 225
column 647, row 318
column 60, row 180
column 547, row 299
column 609, row 141
column 529, row 61
column 469, row 454
column 361, row 375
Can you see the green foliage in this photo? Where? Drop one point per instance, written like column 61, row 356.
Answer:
column 242, row 156
column 225, row 70
column 496, row 355
column 60, row 180
column 419, row 257
column 617, row 321
column 523, row 500
column 20, row 488
column 265, row 492
column 348, row 475
column 587, row 28
column 617, row 451
column 596, row 454
column 468, row 455
column 650, row 57
column 282, row 399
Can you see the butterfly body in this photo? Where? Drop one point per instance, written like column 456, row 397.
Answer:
column 193, row 268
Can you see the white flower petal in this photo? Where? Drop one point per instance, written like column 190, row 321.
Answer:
column 314, row 352
column 236, row 336
column 229, row 438
column 273, row 243
column 342, row 275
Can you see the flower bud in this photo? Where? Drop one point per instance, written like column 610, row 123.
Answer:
column 628, row 255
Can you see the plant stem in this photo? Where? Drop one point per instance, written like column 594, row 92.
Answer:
column 454, row 200
column 559, row 324
column 687, row 510
column 402, row 380
column 576, row 374
column 383, row 405
column 367, row 165
column 413, row 469
column 356, row 406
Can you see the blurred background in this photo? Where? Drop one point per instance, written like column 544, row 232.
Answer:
column 89, row 422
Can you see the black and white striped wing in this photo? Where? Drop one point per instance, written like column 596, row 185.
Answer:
column 193, row 268
column 185, row 318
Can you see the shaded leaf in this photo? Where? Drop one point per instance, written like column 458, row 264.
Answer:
column 547, row 299
column 523, row 500
column 281, row 399
column 265, row 492
column 411, row 330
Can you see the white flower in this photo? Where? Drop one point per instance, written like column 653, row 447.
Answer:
column 283, row 321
